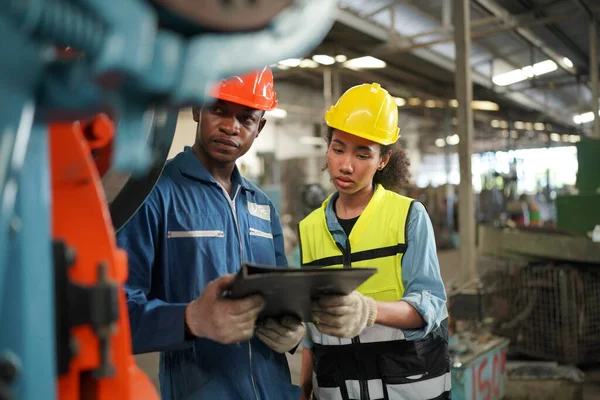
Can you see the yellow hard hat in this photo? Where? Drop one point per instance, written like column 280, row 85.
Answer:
column 367, row 111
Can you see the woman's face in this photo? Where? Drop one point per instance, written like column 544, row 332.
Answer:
column 352, row 162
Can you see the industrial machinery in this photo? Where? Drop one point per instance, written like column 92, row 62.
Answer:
column 87, row 88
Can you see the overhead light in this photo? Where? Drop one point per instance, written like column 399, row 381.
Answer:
column 291, row 62
column 505, row 133
column 278, row 113
column 312, row 140
column 282, row 67
column 414, row 101
column 565, row 138
column 574, row 138
column 440, row 142
column 323, row 59
column 504, row 124
column 539, row 126
column 430, row 104
column 400, row 101
column 584, row 118
column 528, row 126
column 453, row 103
column 548, row 127
column 555, row 137
column 567, row 62
column 453, row 140
column 366, row 62
column 340, row 58
column 514, row 134
column 519, row 124
column 308, row 63
column 484, row 105
column 495, row 123
column 518, row 75
column 544, row 137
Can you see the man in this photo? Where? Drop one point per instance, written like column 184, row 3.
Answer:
column 202, row 220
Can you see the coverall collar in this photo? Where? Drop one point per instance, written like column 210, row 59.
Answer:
column 190, row 166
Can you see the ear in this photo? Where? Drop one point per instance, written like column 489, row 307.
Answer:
column 261, row 125
column 196, row 114
column 384, row 160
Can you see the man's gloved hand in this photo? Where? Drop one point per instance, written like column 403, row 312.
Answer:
column 223, row 320
column 281, row 336
column 344, row 316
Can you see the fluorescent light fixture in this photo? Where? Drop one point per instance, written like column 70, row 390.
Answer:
column 528, row 126
column 340, row 58
column 440, row 142
column 518, row 75
column 504, row 124
column 495, row 123
column 484, row 105
column 584, row 118
column 430, row 104
column 567, row 62
column 555, row 137
column 565, row 138
column 574, row 138
column 366, row 62
column 544, row 137
column 453, row 140
column 505, row 133
column 400, row 101
column 312, row 140
column 291, row 62
column 453, row 103
column 278, row 113
column 514, row 134
column 548, row 127
column 539, row 126
column 323, row 59
column 414, row 101
column 519, row 124
column 308, row 63
column 282, row 67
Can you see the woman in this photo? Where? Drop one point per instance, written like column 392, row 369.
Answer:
column 388, row 339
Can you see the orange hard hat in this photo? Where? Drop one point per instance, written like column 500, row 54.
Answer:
column 254, row 90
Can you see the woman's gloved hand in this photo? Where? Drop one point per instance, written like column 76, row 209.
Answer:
column 281, row 336
column 344, row 316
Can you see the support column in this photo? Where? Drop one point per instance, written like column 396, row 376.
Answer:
column 594, row 75
column 464, row 94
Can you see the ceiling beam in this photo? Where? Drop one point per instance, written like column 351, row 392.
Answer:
column 373, row 30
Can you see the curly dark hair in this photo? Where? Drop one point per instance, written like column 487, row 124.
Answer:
column 397, row 171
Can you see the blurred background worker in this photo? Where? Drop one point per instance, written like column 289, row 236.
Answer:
column 388, row 339
column 199, row 224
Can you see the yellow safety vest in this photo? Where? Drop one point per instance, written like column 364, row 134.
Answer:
column 377, row 240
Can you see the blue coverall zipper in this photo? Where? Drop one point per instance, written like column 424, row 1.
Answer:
column 239, row 235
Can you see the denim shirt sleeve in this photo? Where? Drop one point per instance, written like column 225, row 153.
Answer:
column 423, row 285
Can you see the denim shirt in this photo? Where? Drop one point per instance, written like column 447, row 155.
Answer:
column 423, row 285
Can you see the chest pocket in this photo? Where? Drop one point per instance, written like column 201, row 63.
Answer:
column 260, row 237
column 197, row 247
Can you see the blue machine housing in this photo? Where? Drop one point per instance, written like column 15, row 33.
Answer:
column 130, row 68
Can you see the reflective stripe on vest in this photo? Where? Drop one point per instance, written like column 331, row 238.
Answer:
column 430, row 389
column 376, row 240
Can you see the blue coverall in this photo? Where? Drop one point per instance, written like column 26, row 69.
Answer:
column 189, row 232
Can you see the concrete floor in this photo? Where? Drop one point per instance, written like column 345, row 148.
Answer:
column 449, row 262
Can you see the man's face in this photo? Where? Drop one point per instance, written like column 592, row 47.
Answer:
column 227, row 130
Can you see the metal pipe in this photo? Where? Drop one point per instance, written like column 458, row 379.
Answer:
column 594, row 75
column 464, row 94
